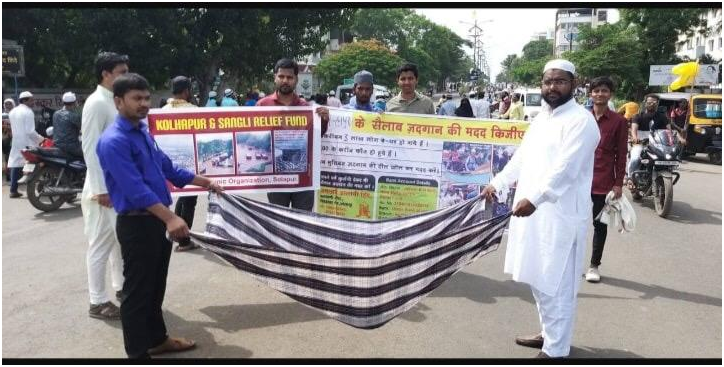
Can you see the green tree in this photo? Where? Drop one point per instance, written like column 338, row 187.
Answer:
column 370, row 55
column 60, row 44
column 427, row 67
column 527, row 72
column 538, row 49
column 527, row 69
column 657, row 32
column 504, row 75
column 435, row 49
column 393, row 27
column 610, row 50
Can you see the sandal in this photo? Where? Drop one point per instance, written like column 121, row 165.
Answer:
column 172, row 345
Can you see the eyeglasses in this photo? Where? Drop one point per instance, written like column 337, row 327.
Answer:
column 555, row 82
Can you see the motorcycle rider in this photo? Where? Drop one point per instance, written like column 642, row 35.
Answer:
column 680, row 120
column 640, row 128
column 66, row 127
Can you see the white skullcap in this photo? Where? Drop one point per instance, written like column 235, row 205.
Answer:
column 9, row 100
column 262, row 94
column 68, row 97
column 227, row 92
column 212, row 94
column 49, row 131
column 331, row 93
column 561, row 64
column 25, row 94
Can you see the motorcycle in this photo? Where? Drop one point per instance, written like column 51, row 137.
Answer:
column 657, row 174
column 53, row 177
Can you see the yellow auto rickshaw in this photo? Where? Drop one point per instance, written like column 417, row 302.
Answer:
column 703, row 124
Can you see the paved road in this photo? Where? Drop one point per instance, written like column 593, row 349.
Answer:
column 660, row 297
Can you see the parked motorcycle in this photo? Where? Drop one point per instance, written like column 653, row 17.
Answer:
column 657, row 174
column 53, row 177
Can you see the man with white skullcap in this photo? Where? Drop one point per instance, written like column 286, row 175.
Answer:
column 553, row 168
column 229, row 100
column 22, row 125
column 212, row 100
column 66, row 127
column 333, row 101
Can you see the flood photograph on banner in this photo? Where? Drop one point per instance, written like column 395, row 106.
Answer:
column 215, row 154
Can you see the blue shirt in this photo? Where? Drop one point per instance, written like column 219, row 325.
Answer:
column 447, row 108
column 211, row 103
column 229, row 102
column 135, row 169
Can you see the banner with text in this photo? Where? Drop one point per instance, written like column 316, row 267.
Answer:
column 379, row 166
column 244, row 149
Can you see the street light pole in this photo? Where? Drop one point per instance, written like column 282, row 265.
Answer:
column 570, row 42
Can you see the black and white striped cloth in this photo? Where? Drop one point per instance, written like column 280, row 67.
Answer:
column 362, row 273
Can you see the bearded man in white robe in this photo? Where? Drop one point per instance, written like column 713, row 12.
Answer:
column 552, row 207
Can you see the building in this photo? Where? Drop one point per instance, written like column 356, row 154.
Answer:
column 548, row 34
column 697, row 45
column 309, row 83
column 568, row 22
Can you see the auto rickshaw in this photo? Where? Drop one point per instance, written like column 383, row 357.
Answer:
column 703, row 127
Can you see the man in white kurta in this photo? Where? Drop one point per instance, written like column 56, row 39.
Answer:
column 99, row 218
column 22, row 125
column 552, row 206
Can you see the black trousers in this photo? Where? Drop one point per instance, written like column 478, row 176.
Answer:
column 300, row 200
column 186, row 208
column 146, row 253
column 600, row 230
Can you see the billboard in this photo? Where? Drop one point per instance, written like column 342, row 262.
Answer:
column 661, row 75
column 13, row 60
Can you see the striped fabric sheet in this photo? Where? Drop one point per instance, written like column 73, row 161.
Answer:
column 362, row 273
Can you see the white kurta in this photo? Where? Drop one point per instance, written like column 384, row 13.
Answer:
column 22, row 125
column 99, row 112
column 554, row 170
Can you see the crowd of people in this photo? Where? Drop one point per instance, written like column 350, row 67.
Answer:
column 561, row 172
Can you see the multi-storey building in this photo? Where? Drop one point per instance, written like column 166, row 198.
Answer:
column 568, row 22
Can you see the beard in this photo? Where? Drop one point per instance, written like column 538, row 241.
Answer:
column 285, row 89
column 555, row 101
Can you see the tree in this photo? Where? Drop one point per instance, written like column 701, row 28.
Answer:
column 527, row 72
column 610, row 50
column 504, row 76
column 657, row 32
column 426, row 66
column 538, row 49
column 392, row 27
column 527, row 69
column 416, row 39
column 371, row 55
column 60, row 44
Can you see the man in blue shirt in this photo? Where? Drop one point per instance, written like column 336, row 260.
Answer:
column 212, row 100
column 448, row 107
column 229, row 100
column 135, row 171
column 362, row 90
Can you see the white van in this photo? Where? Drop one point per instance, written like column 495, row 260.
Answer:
column 531, row 99
column 344, row 92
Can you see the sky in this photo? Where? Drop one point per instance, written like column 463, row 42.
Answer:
column 505, row 31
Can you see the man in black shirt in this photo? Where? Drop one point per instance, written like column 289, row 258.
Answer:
column 641, row 125
column 66, row 127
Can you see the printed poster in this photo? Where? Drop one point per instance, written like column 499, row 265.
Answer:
column 381, row 166
column 244, row 149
